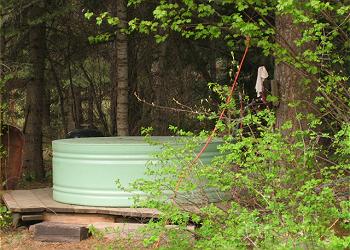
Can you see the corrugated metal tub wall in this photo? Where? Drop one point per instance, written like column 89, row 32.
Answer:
column 85, row 170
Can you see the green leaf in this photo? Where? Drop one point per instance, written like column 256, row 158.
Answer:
column 99, row 20
column 88, row 15
column 113, row 21
column 160, row 38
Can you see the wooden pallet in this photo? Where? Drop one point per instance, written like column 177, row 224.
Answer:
column 37, row 204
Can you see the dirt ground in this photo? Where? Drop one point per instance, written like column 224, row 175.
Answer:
column 22, row 239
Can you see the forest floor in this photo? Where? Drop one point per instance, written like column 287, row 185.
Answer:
column 22, row 239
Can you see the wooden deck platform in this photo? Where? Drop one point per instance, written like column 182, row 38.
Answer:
column 40, row 201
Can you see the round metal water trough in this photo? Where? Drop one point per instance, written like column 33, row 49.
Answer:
column 85, row 170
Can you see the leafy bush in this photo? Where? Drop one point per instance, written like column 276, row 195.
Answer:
column 5, row 218
column 283, row 194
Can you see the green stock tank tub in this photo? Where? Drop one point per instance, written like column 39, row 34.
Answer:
column 85, row 170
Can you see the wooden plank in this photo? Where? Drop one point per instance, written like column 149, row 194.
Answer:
column 32, row 217
column 120, row 211
column 84, row 219
column 22, row 201
column 40, row 200
column 60, row 232
column 45, row 196
column 27, row 201
column 135, row 212
column 89, row 209
column 10, row 202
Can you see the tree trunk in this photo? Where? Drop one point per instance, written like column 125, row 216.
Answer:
column 212, row 62
column 61, row 98
column 292, row 89
column 69, row 110
column 78, row 108
column 158, row 82
column 76, row 97
column 47, row 136
column 33, row 160
column 2, row 73
column 113, row 95
column 122, row 71
column 90, row 110
column 98, row 101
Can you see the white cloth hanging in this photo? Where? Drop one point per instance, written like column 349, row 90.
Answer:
column 262, row 75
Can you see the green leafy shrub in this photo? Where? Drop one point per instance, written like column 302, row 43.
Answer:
column 283, row 195
column 5, row 218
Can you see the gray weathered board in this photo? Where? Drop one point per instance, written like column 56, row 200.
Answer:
column 60, row 232
column 40, row 201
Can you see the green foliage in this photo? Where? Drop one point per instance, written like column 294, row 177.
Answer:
column 323, row 59
column 5, row 218
column 284, row 197
column 113, row 21
column 343, row 141
column 95, row 232
column 275, row 194
column 100, row 19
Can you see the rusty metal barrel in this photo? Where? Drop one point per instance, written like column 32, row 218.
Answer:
column 12, row 140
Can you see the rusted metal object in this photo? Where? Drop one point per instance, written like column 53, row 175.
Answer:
column 12, row 142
